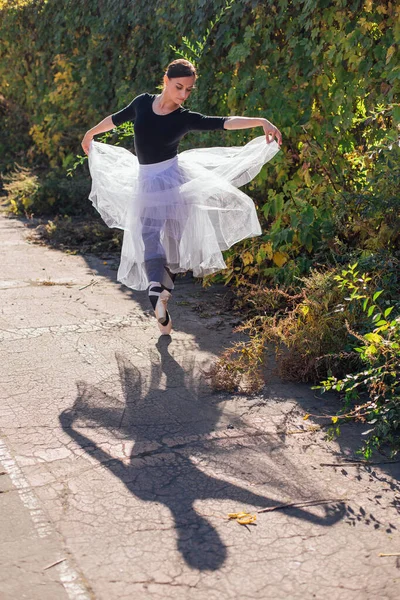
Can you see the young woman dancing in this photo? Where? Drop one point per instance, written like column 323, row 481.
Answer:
column 178, row 211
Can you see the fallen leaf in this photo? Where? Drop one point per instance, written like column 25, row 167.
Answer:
column 243, row 518
column 247, row 520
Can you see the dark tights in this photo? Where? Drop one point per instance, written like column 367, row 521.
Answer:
column 155, row 260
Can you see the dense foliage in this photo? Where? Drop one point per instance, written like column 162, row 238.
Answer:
column 326, row 73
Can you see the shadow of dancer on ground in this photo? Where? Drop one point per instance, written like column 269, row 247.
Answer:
column 159, row 415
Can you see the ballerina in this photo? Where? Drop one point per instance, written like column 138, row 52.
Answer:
column 178, row 211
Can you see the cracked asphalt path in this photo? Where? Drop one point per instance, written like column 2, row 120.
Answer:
column 118, row 464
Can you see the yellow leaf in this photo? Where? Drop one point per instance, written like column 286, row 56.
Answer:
column 243, row 518
column 390, row 53
column 307, row 177
column 375, row 338
column 265, row 250
column 247, row 520
column 268, row 250
column 247, row 258
column 279, row 258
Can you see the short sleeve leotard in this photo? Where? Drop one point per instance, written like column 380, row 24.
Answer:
column 157, row 136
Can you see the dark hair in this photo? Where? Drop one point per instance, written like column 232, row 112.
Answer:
column 180, row 68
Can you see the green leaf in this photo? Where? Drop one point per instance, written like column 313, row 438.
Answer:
column 266, row 209
column 308, row 216
column 396, row 114
column 277, row 205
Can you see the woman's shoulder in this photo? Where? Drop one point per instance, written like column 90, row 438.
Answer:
column 189, row 115
column 143, row 97
column 185, row 111
column 186, row 114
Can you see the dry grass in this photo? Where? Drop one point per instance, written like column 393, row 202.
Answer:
column 77, row 235
column 308, row 331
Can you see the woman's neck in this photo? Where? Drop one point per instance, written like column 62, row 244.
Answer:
column 165, row 104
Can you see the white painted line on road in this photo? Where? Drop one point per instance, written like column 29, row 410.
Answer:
column 28, row 498
column 70, row 580
column 68, row 576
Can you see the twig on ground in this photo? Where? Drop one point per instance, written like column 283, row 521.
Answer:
column 93, row 282
column 300, row 504
column 351, row 414
column 311, row 429
column 357, row 463
column 54, row 563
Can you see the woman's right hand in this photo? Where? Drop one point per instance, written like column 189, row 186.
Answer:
column 86, row 143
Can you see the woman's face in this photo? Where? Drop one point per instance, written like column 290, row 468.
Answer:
column 179, row 88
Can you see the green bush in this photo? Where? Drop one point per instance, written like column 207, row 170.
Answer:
column 372, row 393
column 15, row 141
column 325, row 72
column 51, row 193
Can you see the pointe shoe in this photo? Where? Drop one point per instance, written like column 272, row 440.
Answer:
column 162, row 313
column 161, row 306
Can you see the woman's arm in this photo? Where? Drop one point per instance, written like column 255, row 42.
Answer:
column 104, row 125
column 270, row 130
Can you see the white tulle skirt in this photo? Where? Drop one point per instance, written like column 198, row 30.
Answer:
column 181, row 212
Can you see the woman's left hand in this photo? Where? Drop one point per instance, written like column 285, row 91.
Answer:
column 86, row 143
column 272, row 132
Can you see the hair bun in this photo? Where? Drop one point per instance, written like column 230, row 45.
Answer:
column 181, row 68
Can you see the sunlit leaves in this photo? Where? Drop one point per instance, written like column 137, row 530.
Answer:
column 374, row 387
column 328, row 78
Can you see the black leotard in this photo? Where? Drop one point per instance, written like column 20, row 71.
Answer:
column 157, row 136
